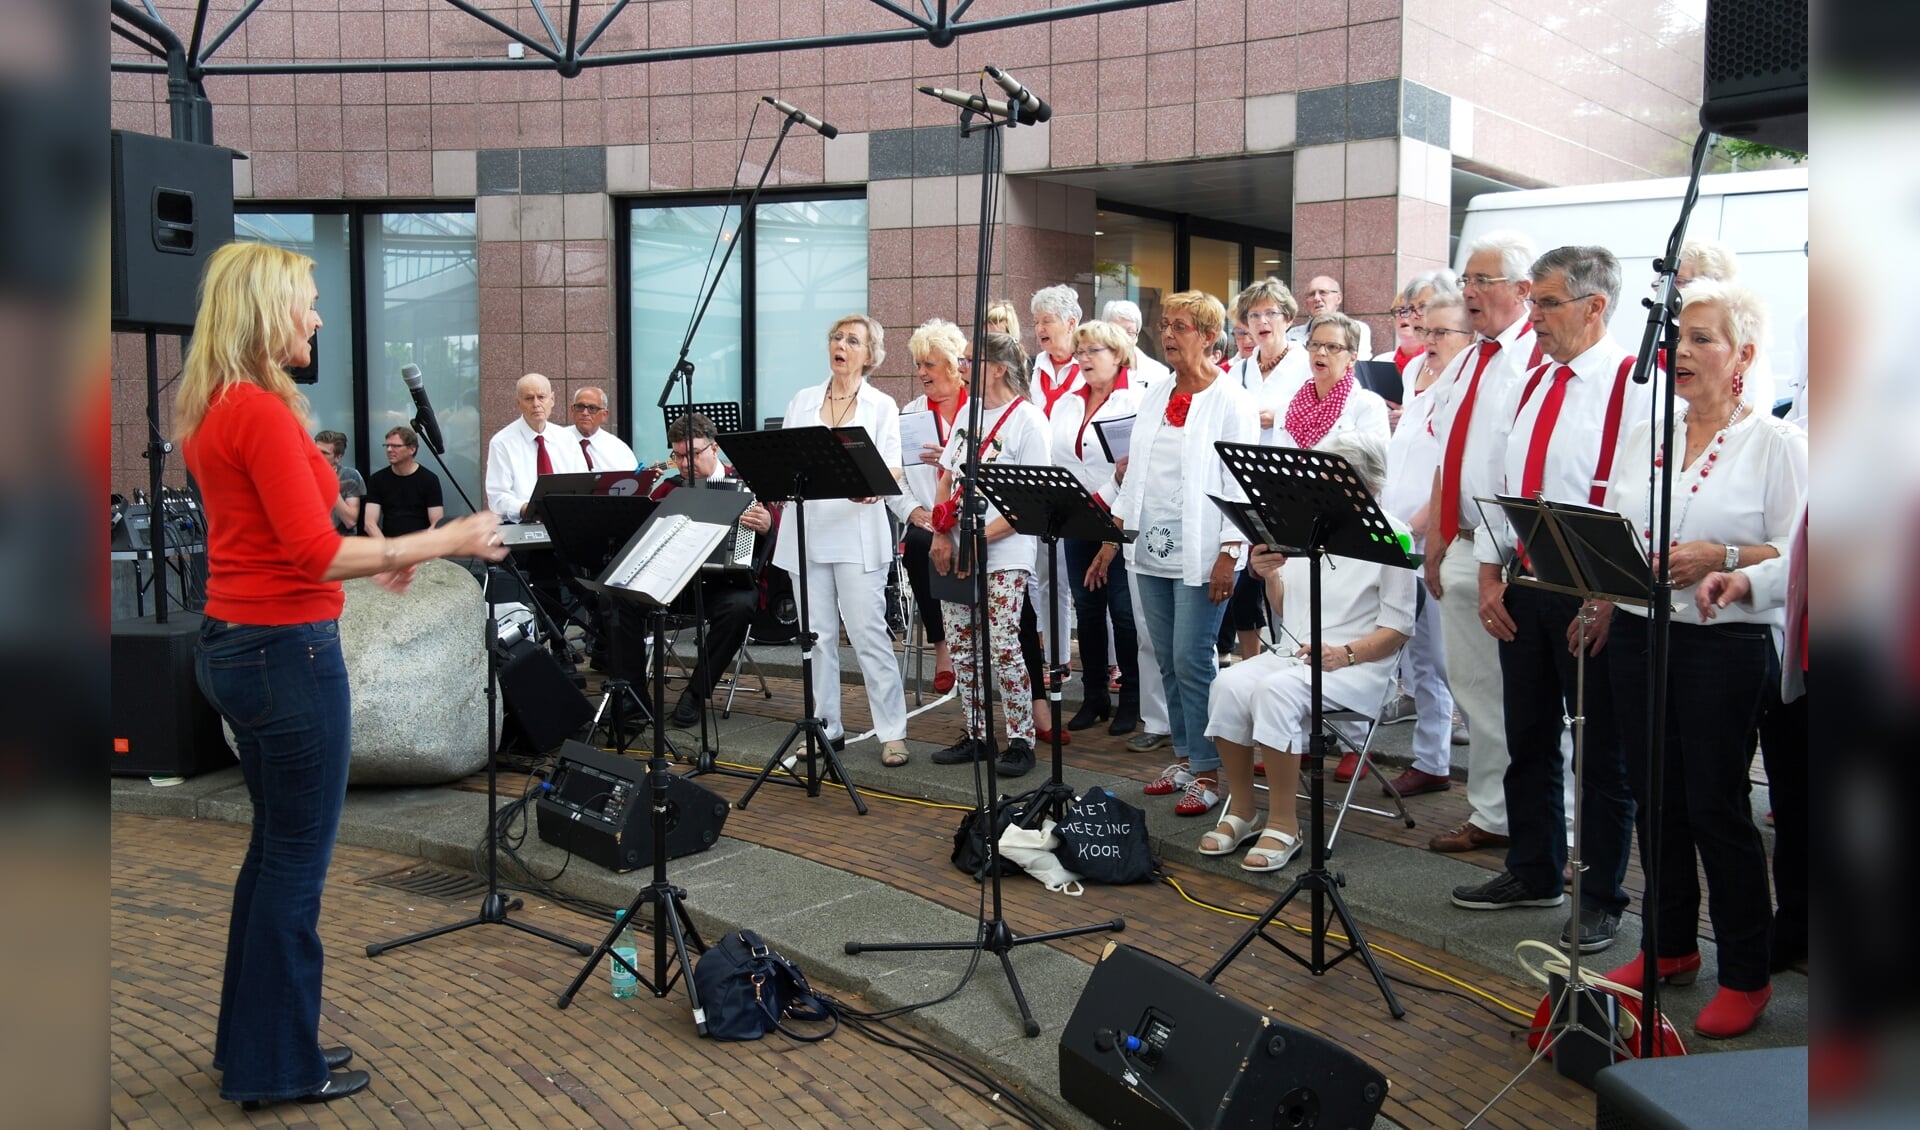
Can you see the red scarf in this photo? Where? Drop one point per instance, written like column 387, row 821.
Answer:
column 947, row 514
column 1310, row 418
column 1402, row 358
column 942, row 428
column 1051, row 392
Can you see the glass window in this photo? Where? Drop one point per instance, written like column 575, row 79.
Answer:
column 322, row 238
column 672, row 256
column 1133, row 259
column 1214, row 267
column 1269, row 262
column 810, row 261
column 423, row 299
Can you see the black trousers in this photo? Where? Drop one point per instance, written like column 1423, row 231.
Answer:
column 1783, row 749
column 1539, row 689
column 729, row 610
column 1091, row 610
column 1716, row 679
column 917, row 548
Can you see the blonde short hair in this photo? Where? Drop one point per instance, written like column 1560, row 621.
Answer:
column 940, row 338
column 1003, row 312
column 1113, row 337
column 246, row 329
column 1204, row 309
column 1710, row 259
column 1268, row 289
column 876, row 338
column 1743, row 310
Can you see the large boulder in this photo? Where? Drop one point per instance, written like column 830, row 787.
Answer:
column 419, row 678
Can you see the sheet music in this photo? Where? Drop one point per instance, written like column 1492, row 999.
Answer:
column 917, row 429
column 1116, row 436
column 667, row 557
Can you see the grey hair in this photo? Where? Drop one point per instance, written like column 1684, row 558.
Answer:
column 1365, row 450
column 1710, row 259
column 1445, row 299
column 1441, row 280
column 1005, row 350
column 1348, row 328
column 876, row 338
column 1515, row 248
column 1589, row 270
column 1268, row 289
column 1060, row 301
column 1124, row 310
column 1746, row 312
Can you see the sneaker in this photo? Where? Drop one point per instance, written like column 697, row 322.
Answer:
column 1017, row 761
column 1147, row 741
column 1597, row 928
column 1398, row 711
column 1199, row 798
column 961, row 752
column 1502, row 892
column 1460, row 734
column 1171, row 780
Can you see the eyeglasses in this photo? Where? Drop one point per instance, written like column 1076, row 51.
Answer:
column 1437, row 334
column 1326, row 347
column 1484, row 281
column 1322, row 293
column 1090, row 350
column 1264, row 316
column 589, row 407
column 682, row 456
column 1175, row 327
column 966, row 362
column 1552, row 304
column 1408, row 311
column 848, row 339
column 398, row 446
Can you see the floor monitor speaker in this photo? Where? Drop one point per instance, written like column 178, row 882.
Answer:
column 599, row 807
column 162, row 725
column 1203, row 1059
column 543, row 705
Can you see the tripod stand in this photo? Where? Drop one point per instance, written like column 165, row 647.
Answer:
column 712, row 514
column 496, row 904
column 797, row 464
column 1594, row 555
column 1311, row 503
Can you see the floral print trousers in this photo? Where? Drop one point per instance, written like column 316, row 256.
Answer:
column 1006, row 593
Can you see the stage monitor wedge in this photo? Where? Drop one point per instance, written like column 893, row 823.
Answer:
column 172, row 206
column 1756, row 71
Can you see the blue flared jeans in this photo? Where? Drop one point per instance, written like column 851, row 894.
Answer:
column 1182, row 623
column 283, row 689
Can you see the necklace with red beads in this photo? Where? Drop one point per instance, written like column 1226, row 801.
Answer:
column 1707, row 459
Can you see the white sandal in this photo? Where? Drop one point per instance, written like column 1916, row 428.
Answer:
column 1243, row 830
column 1274, row 860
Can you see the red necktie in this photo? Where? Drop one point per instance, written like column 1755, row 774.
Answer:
column 541, row 462
column 1457, row 449
column 586, row 449
column 1533, row 474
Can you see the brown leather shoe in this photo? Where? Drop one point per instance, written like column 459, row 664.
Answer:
column 1414, row 782
column 1466, row 837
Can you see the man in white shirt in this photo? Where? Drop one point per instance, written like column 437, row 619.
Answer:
column 1470, row 392
column 1560, row 436
column 598, row 446
column 1322, row 296
column 1126, row 315
column 531, row 446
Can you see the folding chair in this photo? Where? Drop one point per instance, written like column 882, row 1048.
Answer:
column 1339, row 722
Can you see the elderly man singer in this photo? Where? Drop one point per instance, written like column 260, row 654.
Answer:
column 599, row 447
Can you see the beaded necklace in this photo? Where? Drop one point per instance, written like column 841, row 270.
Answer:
column 1708, row 458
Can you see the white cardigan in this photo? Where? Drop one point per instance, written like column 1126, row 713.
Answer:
column 1224, row 412
column 876, row 412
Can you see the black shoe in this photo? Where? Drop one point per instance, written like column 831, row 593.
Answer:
column 961, row 752
column 1597, row 928
column 686, row 712
column 1126, row 719
column 1017, row 761
column 341, row 1085
column 1091, row 714
column 1503, row 892
column 337, row 1058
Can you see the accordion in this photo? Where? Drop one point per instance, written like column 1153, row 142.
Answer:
column 739, row 552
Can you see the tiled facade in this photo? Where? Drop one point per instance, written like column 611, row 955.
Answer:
column 1377, row 100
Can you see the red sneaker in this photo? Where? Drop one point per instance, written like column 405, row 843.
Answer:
column 1198, row 799
column 1673, row 971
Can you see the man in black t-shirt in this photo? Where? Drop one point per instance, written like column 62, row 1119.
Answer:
column 403, row 496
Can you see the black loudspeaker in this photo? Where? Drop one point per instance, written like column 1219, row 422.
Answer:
column 599, row 807
column 543, row 705
column 1760, row 1089
column 309, row 373
column 1212, row 1061
column 172, row 206
column 1756, row 71
column 162, row 725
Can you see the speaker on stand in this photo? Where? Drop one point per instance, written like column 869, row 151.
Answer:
column 1756, row 71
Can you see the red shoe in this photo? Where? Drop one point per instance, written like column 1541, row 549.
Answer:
column 1198, row 798
column 1731, row 1012
column 1673, row 971
column 1415, row 782
column 1259, row 768
column 1349, row 764
column 942, row 681
column 1043, row 736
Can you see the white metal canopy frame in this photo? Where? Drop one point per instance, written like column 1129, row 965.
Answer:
column 936, row 21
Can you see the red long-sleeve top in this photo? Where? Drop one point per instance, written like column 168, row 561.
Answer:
column 267, row 492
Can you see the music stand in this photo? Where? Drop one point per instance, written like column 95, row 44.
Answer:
column 586, row 531
column 1309, row 502
column 715, row 512
column 796, row 465
column 1593, row 554
column 725, row 414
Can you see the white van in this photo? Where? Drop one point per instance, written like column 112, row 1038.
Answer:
column 1762, row 216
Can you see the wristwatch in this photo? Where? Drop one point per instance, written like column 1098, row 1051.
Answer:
column 1237, row 551
column 1733, row 558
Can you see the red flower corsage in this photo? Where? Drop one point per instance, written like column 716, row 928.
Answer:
column 1177, row 407
column 946, row 516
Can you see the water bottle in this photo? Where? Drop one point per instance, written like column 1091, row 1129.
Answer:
column 625, row 984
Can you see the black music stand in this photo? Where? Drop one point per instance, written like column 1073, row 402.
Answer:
column 1593, row 554
column 794, row 465
column 717, row 511
column 1309, row 502
column 725, row 414
column 586, row 531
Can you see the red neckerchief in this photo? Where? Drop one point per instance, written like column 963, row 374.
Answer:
column 1085, row 393
column 946, row 514
column 1401, row 358
column 1051, row 392
column 1309, row 417
column 958, row 407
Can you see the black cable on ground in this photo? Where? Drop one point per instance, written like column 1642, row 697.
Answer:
column 974, row 1079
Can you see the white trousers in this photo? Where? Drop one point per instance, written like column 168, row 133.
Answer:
column 1424, row 660
column 1040, row 593
column 846, row 593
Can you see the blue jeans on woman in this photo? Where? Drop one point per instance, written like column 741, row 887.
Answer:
column 284, row 691
column 1182, row 623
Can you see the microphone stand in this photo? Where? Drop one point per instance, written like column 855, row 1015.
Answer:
column 707, row 760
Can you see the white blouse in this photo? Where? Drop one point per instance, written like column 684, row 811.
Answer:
column 1076, row 445
column 1023, row 439
column 1364, row 411
column 1271, row 392
column 922, row 479
column 1355, row 598
column 1223, row 412
column 840, row 530
column 1413, row 454
column 1751, row 496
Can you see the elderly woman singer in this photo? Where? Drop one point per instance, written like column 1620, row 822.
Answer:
column 937, row 347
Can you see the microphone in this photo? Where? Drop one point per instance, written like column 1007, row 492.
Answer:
column 1032, row 109
column 801, row 116
column 424, row 418
column 979, row 104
